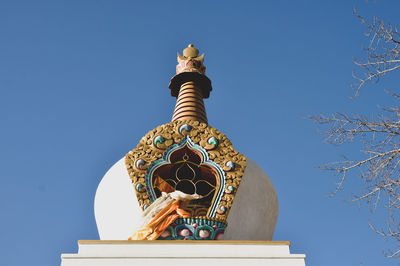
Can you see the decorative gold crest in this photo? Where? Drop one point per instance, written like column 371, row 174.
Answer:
column 161, row 163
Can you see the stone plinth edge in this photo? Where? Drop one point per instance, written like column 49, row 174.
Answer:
column 175, row 252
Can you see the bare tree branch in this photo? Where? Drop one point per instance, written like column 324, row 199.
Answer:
column 383, row 52
column 379, row 169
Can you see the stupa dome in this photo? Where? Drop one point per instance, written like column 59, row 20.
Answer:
column 252, row 217
column 184, row 179
column 182, row 189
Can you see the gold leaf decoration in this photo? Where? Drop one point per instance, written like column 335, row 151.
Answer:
column 219, row 148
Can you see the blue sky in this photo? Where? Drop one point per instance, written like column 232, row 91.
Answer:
column 82, row 81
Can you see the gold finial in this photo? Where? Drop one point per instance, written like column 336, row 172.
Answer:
column 190, row 61
column 190, row 51
column 190, row 68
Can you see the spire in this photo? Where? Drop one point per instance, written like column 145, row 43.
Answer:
column 190, row 85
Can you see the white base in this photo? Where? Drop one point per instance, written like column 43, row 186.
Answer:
column 182, row 252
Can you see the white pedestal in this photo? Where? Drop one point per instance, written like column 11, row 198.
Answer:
column 182, row 252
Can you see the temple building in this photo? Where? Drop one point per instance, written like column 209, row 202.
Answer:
column 184, row 194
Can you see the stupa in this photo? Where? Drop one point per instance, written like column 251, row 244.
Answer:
column 184, row 194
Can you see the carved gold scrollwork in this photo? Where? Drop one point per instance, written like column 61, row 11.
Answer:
column 219, row 148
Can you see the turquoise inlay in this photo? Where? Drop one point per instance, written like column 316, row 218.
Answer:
column 158, row 139
column 193, row 231
column 231, row 165
column 214, row 141
column 139, row 187
column 140, row 163
column 185, row 127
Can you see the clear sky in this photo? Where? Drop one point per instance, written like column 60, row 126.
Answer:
column 82, row 81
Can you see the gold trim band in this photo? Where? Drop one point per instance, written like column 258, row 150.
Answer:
column 184, row 242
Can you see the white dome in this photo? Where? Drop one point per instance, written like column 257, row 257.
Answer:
column 252, row 217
